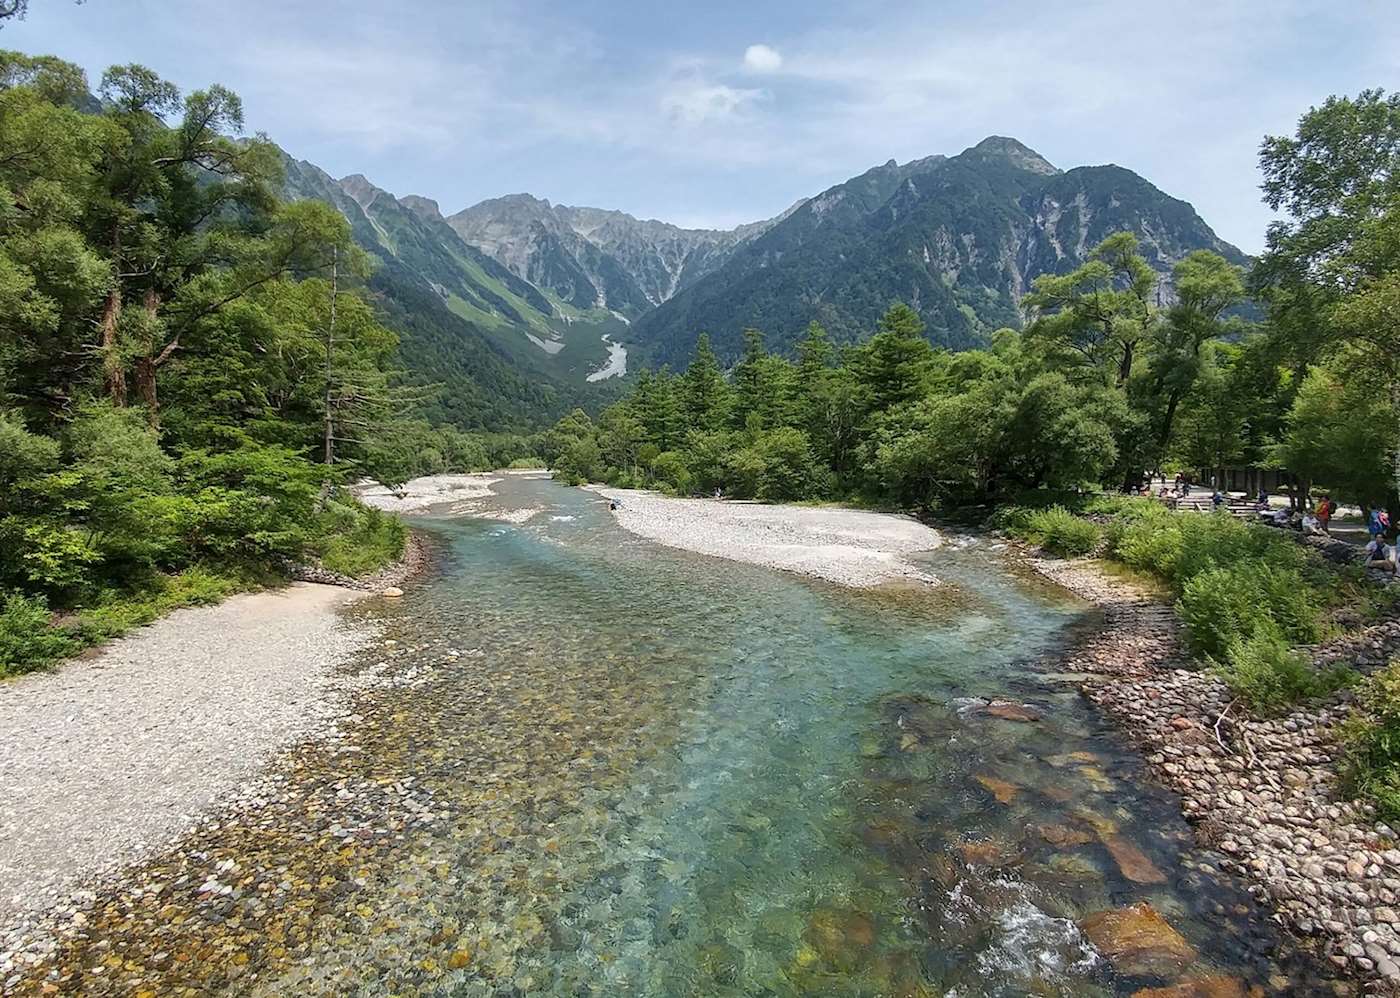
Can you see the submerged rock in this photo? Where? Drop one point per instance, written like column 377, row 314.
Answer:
column 988, row 852
column 1007, row 710
column 1132, row 861
column 841, row 938
column 1216, row 986
column 1138, row 942
column 1003, row 791
column 1062, row 836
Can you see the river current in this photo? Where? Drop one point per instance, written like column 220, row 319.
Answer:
column 716, row 779
column 580, row 763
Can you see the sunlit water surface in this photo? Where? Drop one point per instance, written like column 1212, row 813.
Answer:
column 685, row 776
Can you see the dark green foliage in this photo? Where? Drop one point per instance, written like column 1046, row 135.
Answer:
column 1371, row 742
column 1264, row 672
column 27, row 641
column 1061, row 533
column 1222, row 607
column 167, row 363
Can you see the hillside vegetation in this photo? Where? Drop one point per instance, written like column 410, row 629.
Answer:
column 190, row 369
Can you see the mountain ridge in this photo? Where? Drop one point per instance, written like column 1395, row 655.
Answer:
column 960, row 238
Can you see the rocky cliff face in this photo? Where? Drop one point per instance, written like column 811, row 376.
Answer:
column 592, row 257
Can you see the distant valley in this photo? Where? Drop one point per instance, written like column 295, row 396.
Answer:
column 524, row 307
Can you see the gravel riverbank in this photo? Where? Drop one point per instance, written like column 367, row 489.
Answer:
column 847, row 546
column 112, row 757
column 424, row 493
column 1263, row 793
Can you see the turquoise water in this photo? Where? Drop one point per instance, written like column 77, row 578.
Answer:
column 676, row 775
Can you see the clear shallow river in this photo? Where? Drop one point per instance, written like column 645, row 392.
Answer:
column 698, row 777
column 583, row 764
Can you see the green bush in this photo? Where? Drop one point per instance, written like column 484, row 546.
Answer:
column 27, row 640
column 356, row 539
column 1263, row 671
column 116, row 613
column 1220, row 605
column 1011, row 519
column 1371, row 742
column 1061, row 533
column 1176, row 547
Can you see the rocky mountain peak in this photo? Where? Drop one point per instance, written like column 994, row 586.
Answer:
column 1019, row 154
column 360, row 190
column 422, row 207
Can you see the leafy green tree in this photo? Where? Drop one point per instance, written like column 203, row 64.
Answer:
column 1340, row 431
column 1206, row 286
column 1093, row 318
column 1329, row 273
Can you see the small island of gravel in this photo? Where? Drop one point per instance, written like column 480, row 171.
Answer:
column 850, row 547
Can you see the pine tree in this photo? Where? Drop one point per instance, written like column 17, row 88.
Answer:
column 892, row 367
column 707, row 396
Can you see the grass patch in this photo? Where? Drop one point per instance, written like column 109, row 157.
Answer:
column 27, row 640
column 1266, row 673
column 1371, row 743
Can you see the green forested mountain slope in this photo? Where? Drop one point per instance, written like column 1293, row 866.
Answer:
column 959, row 238
column 506, row 355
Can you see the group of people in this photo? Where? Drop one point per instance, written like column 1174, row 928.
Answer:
column 1317, row 520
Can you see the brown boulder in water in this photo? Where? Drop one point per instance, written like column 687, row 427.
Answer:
column 1132, row 861
column 1216, row 986
column 842, row 938
column 1009, row 711
column 1138, row 942
column 987, row 852
column 1000, row 789
column 1062, row 836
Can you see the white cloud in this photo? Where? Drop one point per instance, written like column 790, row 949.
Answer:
column 697, row 102
column 762, row 59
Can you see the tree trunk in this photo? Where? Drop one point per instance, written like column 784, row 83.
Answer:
column 147, row 365
column 1173, row 401
column 113, row 371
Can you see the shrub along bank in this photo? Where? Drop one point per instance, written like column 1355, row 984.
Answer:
column 1249, row 597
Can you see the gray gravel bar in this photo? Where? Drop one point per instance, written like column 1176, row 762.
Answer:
column 850, row 547
column 112, row 756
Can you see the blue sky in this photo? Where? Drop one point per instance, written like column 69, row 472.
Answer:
column 720, row 112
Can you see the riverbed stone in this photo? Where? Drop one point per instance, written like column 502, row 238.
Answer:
column 1138, row 942
column 1213, row 986
column 1004, row 791
column 1008, row 710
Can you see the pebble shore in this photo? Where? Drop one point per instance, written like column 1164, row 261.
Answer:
column 112, row 758
column 1262, row 792
column 849, row 547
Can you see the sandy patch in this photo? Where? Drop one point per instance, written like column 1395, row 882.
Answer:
column 846, row 546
